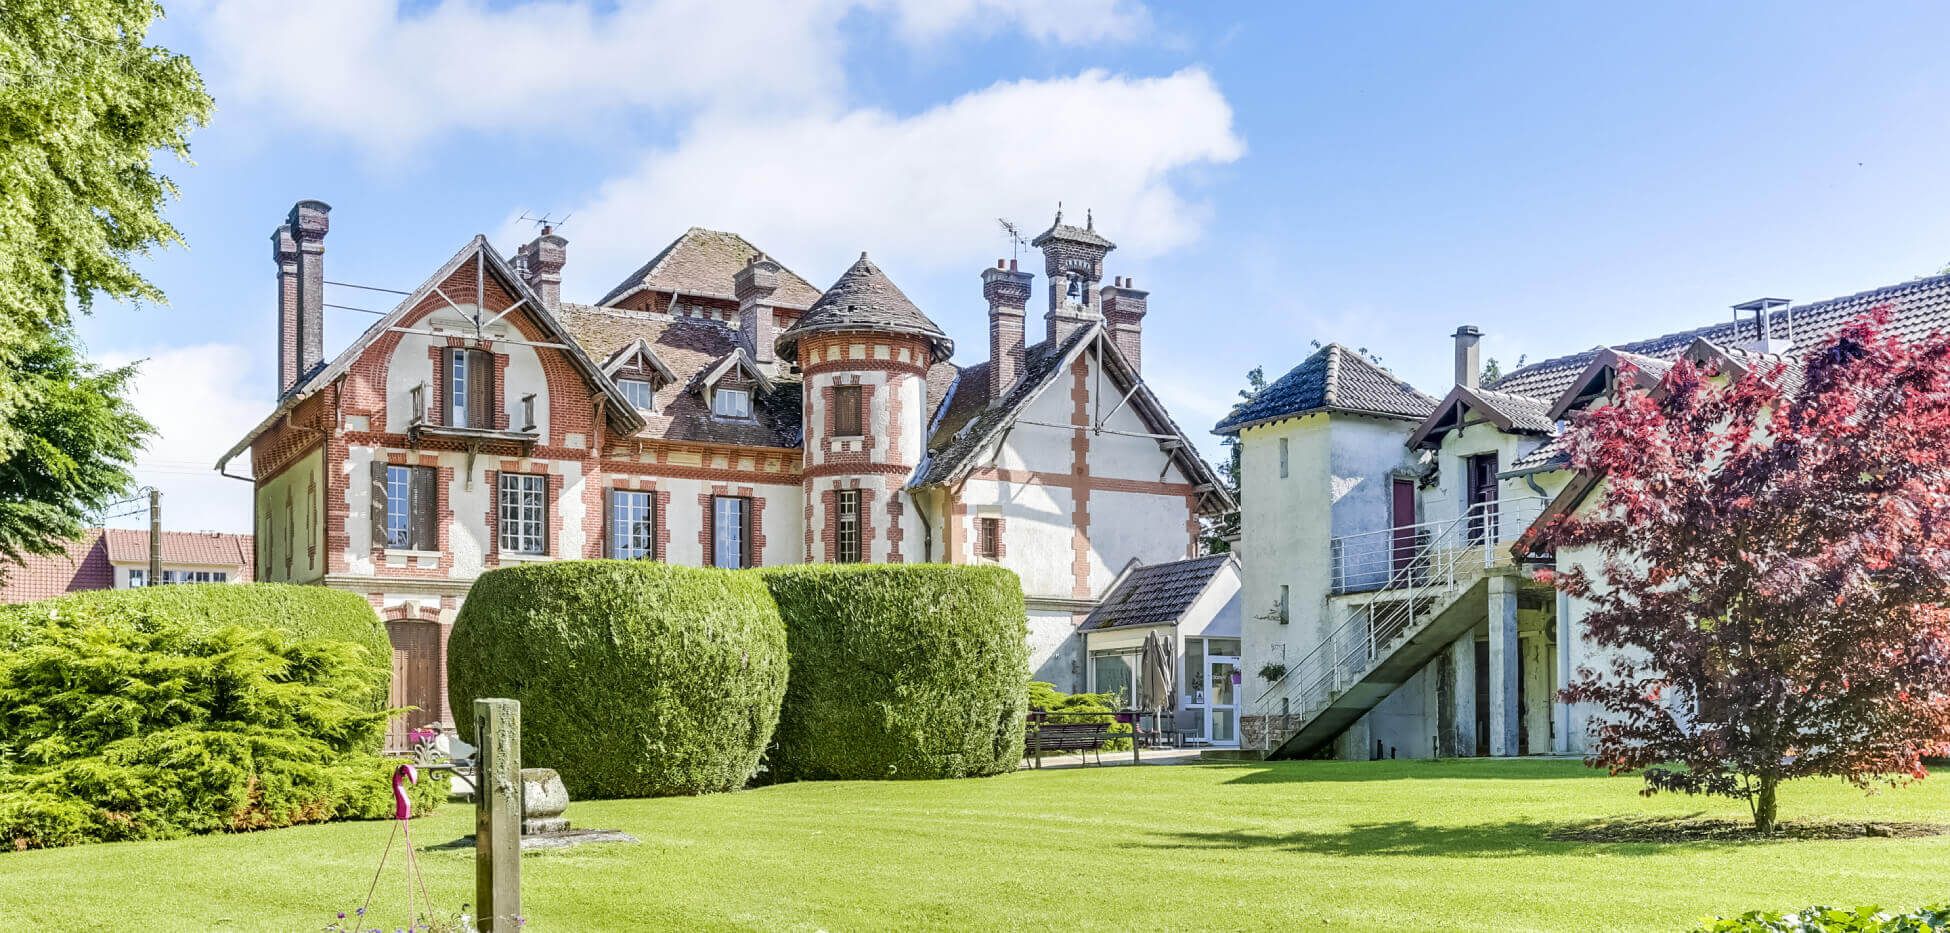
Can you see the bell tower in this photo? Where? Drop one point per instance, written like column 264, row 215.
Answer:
column 1073, row 259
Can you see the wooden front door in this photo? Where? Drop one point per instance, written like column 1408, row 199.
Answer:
column 1402, row 547
column 416, row 677
column 1481, row 496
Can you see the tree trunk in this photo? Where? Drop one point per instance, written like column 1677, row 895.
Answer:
column 1765, row 806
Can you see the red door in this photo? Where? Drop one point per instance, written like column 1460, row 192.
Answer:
column 1403, row 546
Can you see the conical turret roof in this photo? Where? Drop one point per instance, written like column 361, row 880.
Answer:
column 865, row 299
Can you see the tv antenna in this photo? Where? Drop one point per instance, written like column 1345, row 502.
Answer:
column 547, row 223
column 1016, row 240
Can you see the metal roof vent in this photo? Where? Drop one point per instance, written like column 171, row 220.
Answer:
column 1769, row 335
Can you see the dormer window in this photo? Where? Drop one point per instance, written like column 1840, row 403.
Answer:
column 732, row 403
column 638, row 392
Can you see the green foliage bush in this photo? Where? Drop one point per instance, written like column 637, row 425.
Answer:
column 900, row 671
column 636, row 678
column 146, row 727
column 303, row 611
column 1831, row 920
column 1045, row 697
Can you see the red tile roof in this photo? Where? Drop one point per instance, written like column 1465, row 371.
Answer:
column 201, row 548
column 84, row 566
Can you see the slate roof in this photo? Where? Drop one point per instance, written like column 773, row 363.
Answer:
column 1920, row 307
column 704, row 262
column 689, row 346
column 864, row 298
column 1062, row 231
column 1335, row 378
column 1155, row 594
column 209, row 548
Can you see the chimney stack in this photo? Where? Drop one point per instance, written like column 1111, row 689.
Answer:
column 1468, row 357
column 1124, row 308
column 298, row 247
column 540, row 264
column 757, row 326
column 1007, row 291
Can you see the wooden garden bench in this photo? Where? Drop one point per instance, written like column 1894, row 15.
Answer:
column 1080, row 737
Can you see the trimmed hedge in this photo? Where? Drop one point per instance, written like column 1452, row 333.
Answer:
column 303, row 611
column 900, row 671
column 151, row 727
column 1044, row 697
column 1831, row 920
column 636, row 678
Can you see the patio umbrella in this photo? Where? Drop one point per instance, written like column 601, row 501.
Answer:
column 1157, row 673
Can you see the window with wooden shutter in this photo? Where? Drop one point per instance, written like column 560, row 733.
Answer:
column 426, row 520
column 405, row 510
column 846, row 411
column 988, row 538
column 731, row 532
column 480, row 389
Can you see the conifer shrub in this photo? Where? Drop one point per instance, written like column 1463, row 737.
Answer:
column 900, row 671
column 150, row 727
column 302, row 611
column 636, row 678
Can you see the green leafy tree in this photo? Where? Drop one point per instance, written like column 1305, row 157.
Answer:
column 85, row 107
column 1218, row 532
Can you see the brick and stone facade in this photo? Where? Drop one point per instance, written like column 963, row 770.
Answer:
column 713, row 372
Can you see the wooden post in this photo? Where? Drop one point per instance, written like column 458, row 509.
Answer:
column 497, row 815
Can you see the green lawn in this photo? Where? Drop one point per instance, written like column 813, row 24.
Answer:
column 1392, row 845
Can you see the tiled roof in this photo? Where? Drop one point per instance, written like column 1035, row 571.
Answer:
column 865, row 299
column 1155, row 594
column 971, row 421
column 1525, row 413
column 704, row 262
column 201, row 548
column 689, row 346
column 1335, row 378
column 83, row 565
column 1062, row 231
column 1920, row 307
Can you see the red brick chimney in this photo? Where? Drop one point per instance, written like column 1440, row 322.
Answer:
column 757, row 326
column 1007, row 290
column 298, row 247
column 1124, row 308
column 541, row 263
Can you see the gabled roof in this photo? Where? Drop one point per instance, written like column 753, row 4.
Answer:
column 1596, row 378
column 1511, row 413
column 969, row 423
column 642, row 350
column 703, row 263
column 1156, row 594
column 736, row 359
column 864, row 298
column 1335, row 378
column 1919, row 307
column 83, row 565
column 626, row 418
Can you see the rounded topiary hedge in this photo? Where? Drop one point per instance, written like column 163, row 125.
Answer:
column 901, row 671
column 301, row 611
column 636, row 679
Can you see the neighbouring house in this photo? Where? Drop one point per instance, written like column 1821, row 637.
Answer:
column 1378, row 538
column 1193, row 604
column 118, row 558
column 713, row 408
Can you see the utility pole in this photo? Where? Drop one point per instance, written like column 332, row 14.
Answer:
column 155, row 537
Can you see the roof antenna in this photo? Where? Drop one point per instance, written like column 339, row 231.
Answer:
column 547, row 223
column 1014, row 233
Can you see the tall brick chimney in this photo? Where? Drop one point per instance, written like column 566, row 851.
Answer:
column 298, row 247
column 1124, row 307
column 1007, row 290
column 540, row 263
column 757, row 326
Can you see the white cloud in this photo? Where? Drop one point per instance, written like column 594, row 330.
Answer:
column 201, row 400
column 923, row 191
column 390, row 78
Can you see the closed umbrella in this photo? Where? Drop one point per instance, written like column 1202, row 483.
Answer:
column 1157, row 676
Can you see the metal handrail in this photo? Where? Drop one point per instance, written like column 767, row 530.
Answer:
column 1446, row 555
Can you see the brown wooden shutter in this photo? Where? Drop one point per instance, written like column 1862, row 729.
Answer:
column 424, row 499
column 608, row 536
column 444, row 397
column 745, row 532
column 378, row 510
column 545, row 515
column 656, row 523
column 480, row 389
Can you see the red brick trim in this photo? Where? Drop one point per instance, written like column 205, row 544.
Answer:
column 706, row 533
column 1001, row 532
column 868, row 365
column 1070, row 481
column 895, row 533
column 1080, row 479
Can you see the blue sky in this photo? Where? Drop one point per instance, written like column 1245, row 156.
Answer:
column 1561, row 175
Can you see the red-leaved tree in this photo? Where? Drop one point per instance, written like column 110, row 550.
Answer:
column 1768, row 559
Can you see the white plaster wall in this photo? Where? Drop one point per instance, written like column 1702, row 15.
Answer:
column 1055, row 657
column 467, row 534
column 1217, row 612
column 357, row 470
column 1283, row 541
column 410, row 365
column 297, row 533
column 1036, row 532
column 1127, row 525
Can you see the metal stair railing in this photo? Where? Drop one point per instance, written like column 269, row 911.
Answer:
column 1426, row 565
